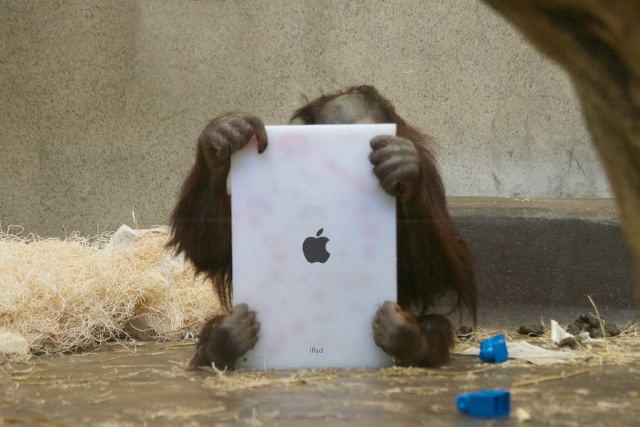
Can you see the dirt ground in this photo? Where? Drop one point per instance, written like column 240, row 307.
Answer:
column 147, row 384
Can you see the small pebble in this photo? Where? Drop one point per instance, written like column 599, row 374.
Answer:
column 595, row 333
column 568, row 342
column 531, row 330
column 590, row 323
column 611, row 329
column 464, row 333
column 587, row 321
column 574, row 329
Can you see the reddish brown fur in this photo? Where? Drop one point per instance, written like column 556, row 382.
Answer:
column 433, row 259
column 201, row 357
column 201, row 224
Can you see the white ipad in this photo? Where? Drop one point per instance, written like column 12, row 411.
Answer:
column 313, row 246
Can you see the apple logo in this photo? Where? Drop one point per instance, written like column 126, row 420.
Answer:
column 315, row 248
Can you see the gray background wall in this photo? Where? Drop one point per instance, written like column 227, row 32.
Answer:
column 101, row 101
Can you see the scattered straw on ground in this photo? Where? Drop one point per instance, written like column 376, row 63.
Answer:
column 225, row 382
column 621, row 349
column 77, row 293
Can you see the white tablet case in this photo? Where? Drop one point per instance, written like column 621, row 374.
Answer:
column 313, row 181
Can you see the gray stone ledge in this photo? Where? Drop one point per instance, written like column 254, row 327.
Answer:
column 541, row 257
column 593, row 210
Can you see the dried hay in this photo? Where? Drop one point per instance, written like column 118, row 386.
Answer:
column 13, row 347
column 77, row 293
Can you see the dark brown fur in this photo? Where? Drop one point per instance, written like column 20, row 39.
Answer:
column 433, row 259
column 201, row 224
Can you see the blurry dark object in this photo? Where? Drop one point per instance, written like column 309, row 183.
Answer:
column 568, row 342
column 574, row 329
column 591, row 324
column 598, row 44
column 587, row 321
column 531, row 330
column 611, row 329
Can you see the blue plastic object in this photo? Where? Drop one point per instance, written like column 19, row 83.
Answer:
column 494, row 349
column 485, row 403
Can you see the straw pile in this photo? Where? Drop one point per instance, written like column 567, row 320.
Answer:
column 77, row 293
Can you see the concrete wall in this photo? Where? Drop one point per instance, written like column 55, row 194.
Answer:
column 101, row 101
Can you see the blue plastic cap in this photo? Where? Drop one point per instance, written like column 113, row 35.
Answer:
column 485, row 403
column 494, row 349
